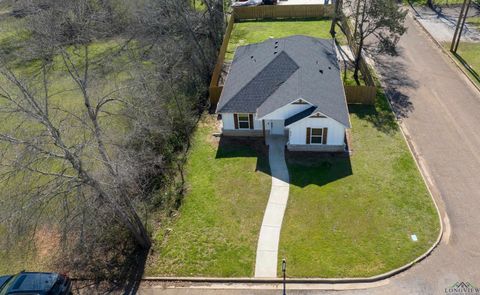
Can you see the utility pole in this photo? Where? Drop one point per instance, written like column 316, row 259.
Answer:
column 460, row 24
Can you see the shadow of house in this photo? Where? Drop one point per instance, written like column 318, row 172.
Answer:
column 317, row 169
column 244, row 147
column 305, row 168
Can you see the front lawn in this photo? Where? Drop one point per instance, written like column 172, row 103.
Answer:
column 354, row 216
column 217, row 228
column 249, row 32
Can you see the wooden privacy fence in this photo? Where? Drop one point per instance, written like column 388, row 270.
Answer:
column 354, row 94
column 214, row 90
column 361, row 94
column 283, row 11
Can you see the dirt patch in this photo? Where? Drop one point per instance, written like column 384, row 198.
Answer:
column 47, row 242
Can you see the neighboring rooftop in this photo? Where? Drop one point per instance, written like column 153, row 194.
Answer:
column 266, row 76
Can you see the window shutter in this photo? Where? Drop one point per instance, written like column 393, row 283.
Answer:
column 325, row 136
column 308, row 135
column 235, row 120
column 250, row 118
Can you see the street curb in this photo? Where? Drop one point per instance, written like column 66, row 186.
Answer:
column 445, row 51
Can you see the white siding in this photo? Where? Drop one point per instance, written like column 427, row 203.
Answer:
column 229, row 123
column 298, row 130
column 287, row 111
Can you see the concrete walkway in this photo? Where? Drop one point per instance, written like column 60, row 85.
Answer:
column 267, row 248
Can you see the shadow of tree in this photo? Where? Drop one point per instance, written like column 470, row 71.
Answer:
column 396, row 81
column 127, row 283
column 118, row 274
column 467, row 66
column 379, row 115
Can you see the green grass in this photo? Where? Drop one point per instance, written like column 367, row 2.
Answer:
column 468, row 53
column 198, row 5
column 346, row 217
column 474, row 21
column 348, row 79
column 245, row 33
column 353, row 217
column 218, row 225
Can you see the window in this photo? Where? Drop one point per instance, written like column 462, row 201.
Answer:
column 316, row 136
column 243, row 121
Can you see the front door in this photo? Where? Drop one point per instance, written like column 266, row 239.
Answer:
column 277, row 127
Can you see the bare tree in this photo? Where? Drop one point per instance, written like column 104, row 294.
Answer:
column 91, row 134
column 80, row 158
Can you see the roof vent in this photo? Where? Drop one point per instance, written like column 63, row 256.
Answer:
column 276, row 42
column 276, row 46
column 251, row 57
column 321, row 71
column 329, row 68
column 275, row 52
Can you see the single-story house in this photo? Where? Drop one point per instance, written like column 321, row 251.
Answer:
column 290, row 87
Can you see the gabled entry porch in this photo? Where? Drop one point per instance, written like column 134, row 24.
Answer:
column 275, row 127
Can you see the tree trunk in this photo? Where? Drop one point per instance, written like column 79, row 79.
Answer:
column 336, row 17
column 358, row 59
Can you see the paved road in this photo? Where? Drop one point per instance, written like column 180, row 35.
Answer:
column 441, row 111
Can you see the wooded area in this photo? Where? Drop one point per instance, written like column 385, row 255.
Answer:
column 98, row 100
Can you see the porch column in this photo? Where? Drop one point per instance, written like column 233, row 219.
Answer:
column 264, row 136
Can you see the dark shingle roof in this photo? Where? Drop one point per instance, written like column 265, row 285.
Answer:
column 266, row 76
column 265, row 83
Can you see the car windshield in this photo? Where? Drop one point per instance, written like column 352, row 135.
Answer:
column 33, row 282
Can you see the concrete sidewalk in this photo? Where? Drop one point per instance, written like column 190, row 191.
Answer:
column 267, row 248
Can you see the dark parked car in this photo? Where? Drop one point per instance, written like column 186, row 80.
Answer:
column 38, row 283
